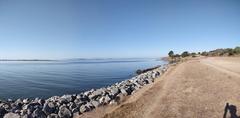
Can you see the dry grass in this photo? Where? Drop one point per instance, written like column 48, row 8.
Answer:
column 194, row 89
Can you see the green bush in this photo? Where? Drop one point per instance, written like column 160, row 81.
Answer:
column 177, row 55
column 204, row 53
column 139, row 72
column 237, row 50
column 171, row 54
column 185, row 54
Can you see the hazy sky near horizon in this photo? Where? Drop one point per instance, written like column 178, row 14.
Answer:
column 51, row 29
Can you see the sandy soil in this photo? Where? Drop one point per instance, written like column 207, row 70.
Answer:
column 198, row 88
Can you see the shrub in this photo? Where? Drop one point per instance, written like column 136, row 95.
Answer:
column 204, row 53
column 193, row 54
column 171, row 54
column 237, row 50
column 177, row 55
column 185, row 54
column 139, row 71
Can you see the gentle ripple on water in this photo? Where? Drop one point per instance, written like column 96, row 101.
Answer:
column 45, row 79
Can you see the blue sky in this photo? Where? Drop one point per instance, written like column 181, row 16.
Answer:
column 52, row 29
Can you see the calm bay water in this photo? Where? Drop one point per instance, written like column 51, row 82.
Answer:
column 28, row 79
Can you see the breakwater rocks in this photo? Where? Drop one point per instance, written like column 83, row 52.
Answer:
column 68, row 106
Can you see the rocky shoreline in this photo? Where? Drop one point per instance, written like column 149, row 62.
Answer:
column 68, row 106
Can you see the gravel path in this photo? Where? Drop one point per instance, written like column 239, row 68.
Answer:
column 198, row 88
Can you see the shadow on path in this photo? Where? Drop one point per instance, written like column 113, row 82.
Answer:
column 232, row 110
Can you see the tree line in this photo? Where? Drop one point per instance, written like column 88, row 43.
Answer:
column 217, row 52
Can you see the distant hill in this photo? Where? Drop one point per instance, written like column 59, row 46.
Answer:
column 223, row 52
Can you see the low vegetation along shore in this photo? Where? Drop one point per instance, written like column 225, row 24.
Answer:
column 221, row 52
column 68, row 106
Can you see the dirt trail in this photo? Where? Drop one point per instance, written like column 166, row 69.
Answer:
column 194, row 89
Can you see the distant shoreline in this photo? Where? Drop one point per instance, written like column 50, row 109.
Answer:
column 73, row 59
column 26, row 60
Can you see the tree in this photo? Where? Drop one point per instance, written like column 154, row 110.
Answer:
column 177, row 55
column 237, row 50
column 230, row 51
column 193, row 54
column 185, row 54
column 139, row 72
column 204, row 53
column 171, row 54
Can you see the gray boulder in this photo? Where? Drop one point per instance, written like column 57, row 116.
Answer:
column 84, row 98
column 84, row 108
column 114, row 91
column 15, row 108
column 89, row 105
column 53, row 116
column 72, row 105
column 149, row 81
column 64, row 112
column 62, row 101
column 49, row 107
column 96, row 94
column 19, row 101
column 95, row 103
column 101, row 100
column 9, row 100
column 31, row 107
column 41, row 101
column 6, row 106
column 123, row 91
column 79, row 102
column 23, row 112
column 2, row 112
column 26, row 116
column 11, row 115
column 38, row 114
column 107, row 99
column 25, row 101
column 67, row 98
column 75, row 110
column 104, row 100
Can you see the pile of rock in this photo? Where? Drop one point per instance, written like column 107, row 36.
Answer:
column 67, row 106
